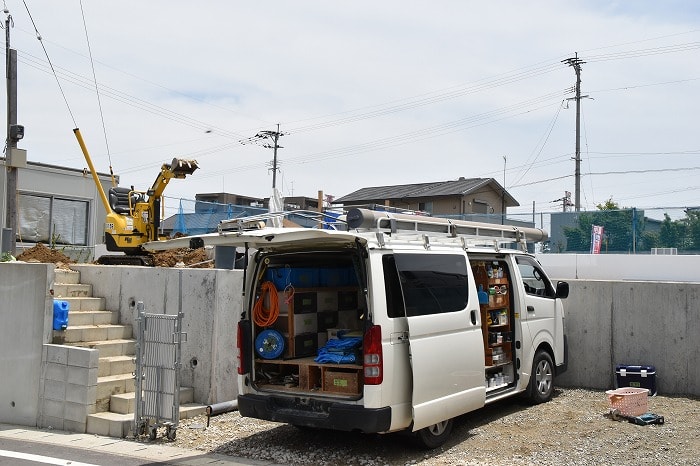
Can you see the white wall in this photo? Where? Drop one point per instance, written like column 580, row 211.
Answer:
column 683, row 268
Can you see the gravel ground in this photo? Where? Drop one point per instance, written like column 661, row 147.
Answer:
column 572, row 429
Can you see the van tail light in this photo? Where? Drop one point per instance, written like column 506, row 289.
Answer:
column 373, row 363
column 243, row 345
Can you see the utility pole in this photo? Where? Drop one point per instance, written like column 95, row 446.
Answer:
column 576, row 63
column 274, row 136
column 503, row 194
column 15, row 132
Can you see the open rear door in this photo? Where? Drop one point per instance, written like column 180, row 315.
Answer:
column 446, row 345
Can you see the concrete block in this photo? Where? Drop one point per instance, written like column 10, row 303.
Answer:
column 57, row 372
column 66, row 276
column 53, row 422
column 75, row 412
column 123, row 403
column 56, row 353
column 97, row 425
column 85, row 394
column 53, row 408
column 83, row 357
column 75, row 426
column 92, row 333
column 82, row 375
column 115, row 332
column 54, row 390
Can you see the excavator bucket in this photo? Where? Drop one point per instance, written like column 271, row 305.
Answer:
column 183, row 167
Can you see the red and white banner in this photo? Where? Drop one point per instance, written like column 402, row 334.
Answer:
column 596, row 239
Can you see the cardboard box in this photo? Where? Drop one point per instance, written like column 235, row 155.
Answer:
column 337, row 381
column 636, row 376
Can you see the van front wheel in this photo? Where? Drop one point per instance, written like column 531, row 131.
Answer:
column 433, row 436
column 541, row 384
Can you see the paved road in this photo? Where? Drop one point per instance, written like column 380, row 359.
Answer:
column 25, row 446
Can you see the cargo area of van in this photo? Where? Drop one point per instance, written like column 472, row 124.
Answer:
column 309, row 320
column 310, row 316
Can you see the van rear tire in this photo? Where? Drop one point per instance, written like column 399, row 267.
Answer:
column 434, row 436
column 541, row 386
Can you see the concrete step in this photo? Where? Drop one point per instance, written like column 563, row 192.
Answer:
column 67, row 276
column 110, row 347
column 84, row 303
column 120, row 425
column 124, row 403
column 71, row 290
column 112, row 385
column 92, row 318
column 114, row 365
column 86, row 333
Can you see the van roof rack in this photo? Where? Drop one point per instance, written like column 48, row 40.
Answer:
column 481, row 233
column 324, row 220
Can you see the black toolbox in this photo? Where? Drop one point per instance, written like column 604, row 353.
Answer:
column 627, row 375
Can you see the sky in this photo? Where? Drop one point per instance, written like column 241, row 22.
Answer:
column 369, row 93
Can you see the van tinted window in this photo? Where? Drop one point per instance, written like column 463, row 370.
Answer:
column 432, row 283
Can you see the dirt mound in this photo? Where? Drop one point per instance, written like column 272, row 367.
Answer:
column 183, row 257
column 41, row 253
column 192, row 258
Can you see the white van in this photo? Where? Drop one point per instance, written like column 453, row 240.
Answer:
column 400, row 323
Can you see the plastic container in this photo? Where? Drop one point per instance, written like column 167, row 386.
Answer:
column 60, row 314
column 637, row 376
column 629, row 401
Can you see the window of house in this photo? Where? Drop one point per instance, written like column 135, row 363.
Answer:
column 426, row 206
column 52, row 220
column 480, row 207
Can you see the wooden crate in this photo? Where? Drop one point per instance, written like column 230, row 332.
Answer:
column 336, row 381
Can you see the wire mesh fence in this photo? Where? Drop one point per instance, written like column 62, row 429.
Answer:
column 659, row 230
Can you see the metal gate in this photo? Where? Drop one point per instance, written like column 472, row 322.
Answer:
column 157, row 374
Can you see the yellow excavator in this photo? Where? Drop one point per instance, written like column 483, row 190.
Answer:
column 133, row 217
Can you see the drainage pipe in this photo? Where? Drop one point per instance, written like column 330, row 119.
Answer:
column 221, row 408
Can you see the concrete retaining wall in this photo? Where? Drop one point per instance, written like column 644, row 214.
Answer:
column 610, row 323
column 26, row 310
column 211, row 303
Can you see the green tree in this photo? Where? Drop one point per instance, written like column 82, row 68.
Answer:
column 618, row 235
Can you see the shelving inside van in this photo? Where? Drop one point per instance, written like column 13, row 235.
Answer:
column 312, row 299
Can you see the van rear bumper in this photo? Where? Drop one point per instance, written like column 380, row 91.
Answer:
column 315, row 413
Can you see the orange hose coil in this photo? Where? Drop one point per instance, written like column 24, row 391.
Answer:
column 265, row 317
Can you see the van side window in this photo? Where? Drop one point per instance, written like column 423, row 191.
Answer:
column 534, row 280
column 432, row 283
column 392, row 287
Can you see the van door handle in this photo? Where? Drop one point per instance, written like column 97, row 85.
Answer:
column 531, row 309
column 473, row 316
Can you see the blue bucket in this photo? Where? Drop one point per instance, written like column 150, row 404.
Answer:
column 60, row 314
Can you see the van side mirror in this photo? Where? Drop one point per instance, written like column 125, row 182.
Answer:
column 562, row 290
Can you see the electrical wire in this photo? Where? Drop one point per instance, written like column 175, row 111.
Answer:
column 53, row 70
column 262, row 316
column 97, row 91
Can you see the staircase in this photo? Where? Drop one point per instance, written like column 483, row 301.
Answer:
column 91, row 326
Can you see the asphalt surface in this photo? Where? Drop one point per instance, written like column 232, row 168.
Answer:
column 22, row 446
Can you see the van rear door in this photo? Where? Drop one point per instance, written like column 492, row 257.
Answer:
column 446, row 344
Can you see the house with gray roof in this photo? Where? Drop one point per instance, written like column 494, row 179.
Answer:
column 460, row 197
